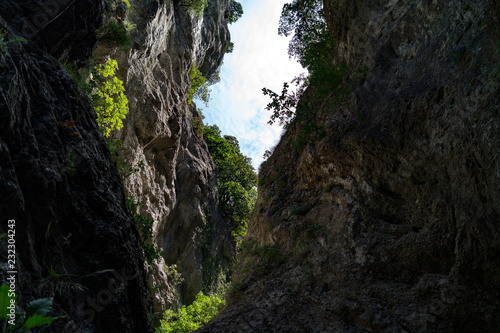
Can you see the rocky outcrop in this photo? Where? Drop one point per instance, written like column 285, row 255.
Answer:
column 75, row 237
column 388, row 220
column 60, row 185
column 64, row 28
column 178, row 184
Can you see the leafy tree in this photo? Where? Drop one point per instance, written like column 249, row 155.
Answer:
column 195, row 6
column 283, row 106
column 190, row 318
column 315, row 49
column 236, row 178
column 215, row 77
column 236, row 12
column 305, row 20
column 110, row 102
column 199, row 86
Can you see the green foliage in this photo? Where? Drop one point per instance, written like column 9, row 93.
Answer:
column 305, row 20
column 173, row 276
column 129, row 25
column 236, row 12
column 190, row 318
column 124, row 166
column 215, row 77
column 145, row 226
column 236, row 178
column 114, row 32
column 87, row 82
column 259, row 260
column 284, row 106
column 230, row 47
column 24, row 321
column 110, row 102
column 199, row 86
column 71, row 162
column 4, row 42
column 195, row 6
column 114, row 2
column 314, row 48
column 57, row 280
column 70, row 69
column 198, row 127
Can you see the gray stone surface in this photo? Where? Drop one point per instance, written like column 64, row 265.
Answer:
column 75, row 237
column 389, row 223
column 178, row 184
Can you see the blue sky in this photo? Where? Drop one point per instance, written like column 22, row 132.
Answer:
column 259, row 60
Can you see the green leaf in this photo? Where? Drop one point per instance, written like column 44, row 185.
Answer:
column 4, row 301
column 40, row 306
column 38, row 320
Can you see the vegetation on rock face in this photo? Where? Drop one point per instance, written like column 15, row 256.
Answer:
column 236, row 12
column 190, row 318
column 236, row 178
column 199, row 86
column 115, row 32
column 313, row 47
column 4, row 41
column 145, row 226
column 110, row 102
column 35, row 315
column 195, row 6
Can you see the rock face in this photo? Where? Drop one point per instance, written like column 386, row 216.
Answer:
column 389, row 221
column 178, row 184
column 64, row 28
column 75, row 237
column 60, row 185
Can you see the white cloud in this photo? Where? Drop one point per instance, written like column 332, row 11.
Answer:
column 259, row 60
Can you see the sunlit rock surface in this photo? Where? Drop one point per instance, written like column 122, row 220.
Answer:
column 178, row 184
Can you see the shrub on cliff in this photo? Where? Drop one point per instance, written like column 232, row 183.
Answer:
column 236, row 178
column 315, row 49
column 199, row 86
column 109, row 98
column 190, row 318
column 115, row 32
column 236, row 12
column 195, row 6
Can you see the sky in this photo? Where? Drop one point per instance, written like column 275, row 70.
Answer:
column 259, row 60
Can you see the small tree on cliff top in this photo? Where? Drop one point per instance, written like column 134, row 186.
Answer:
column 195, row 6
column 236, row 12
column 314, row 49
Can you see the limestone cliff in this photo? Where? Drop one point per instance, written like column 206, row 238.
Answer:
column 178, row 184
column 389, row 221
column 75, row 238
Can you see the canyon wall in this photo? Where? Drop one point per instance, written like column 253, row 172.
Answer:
column 75, row 238
column 387, row 218
column 178, row 184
